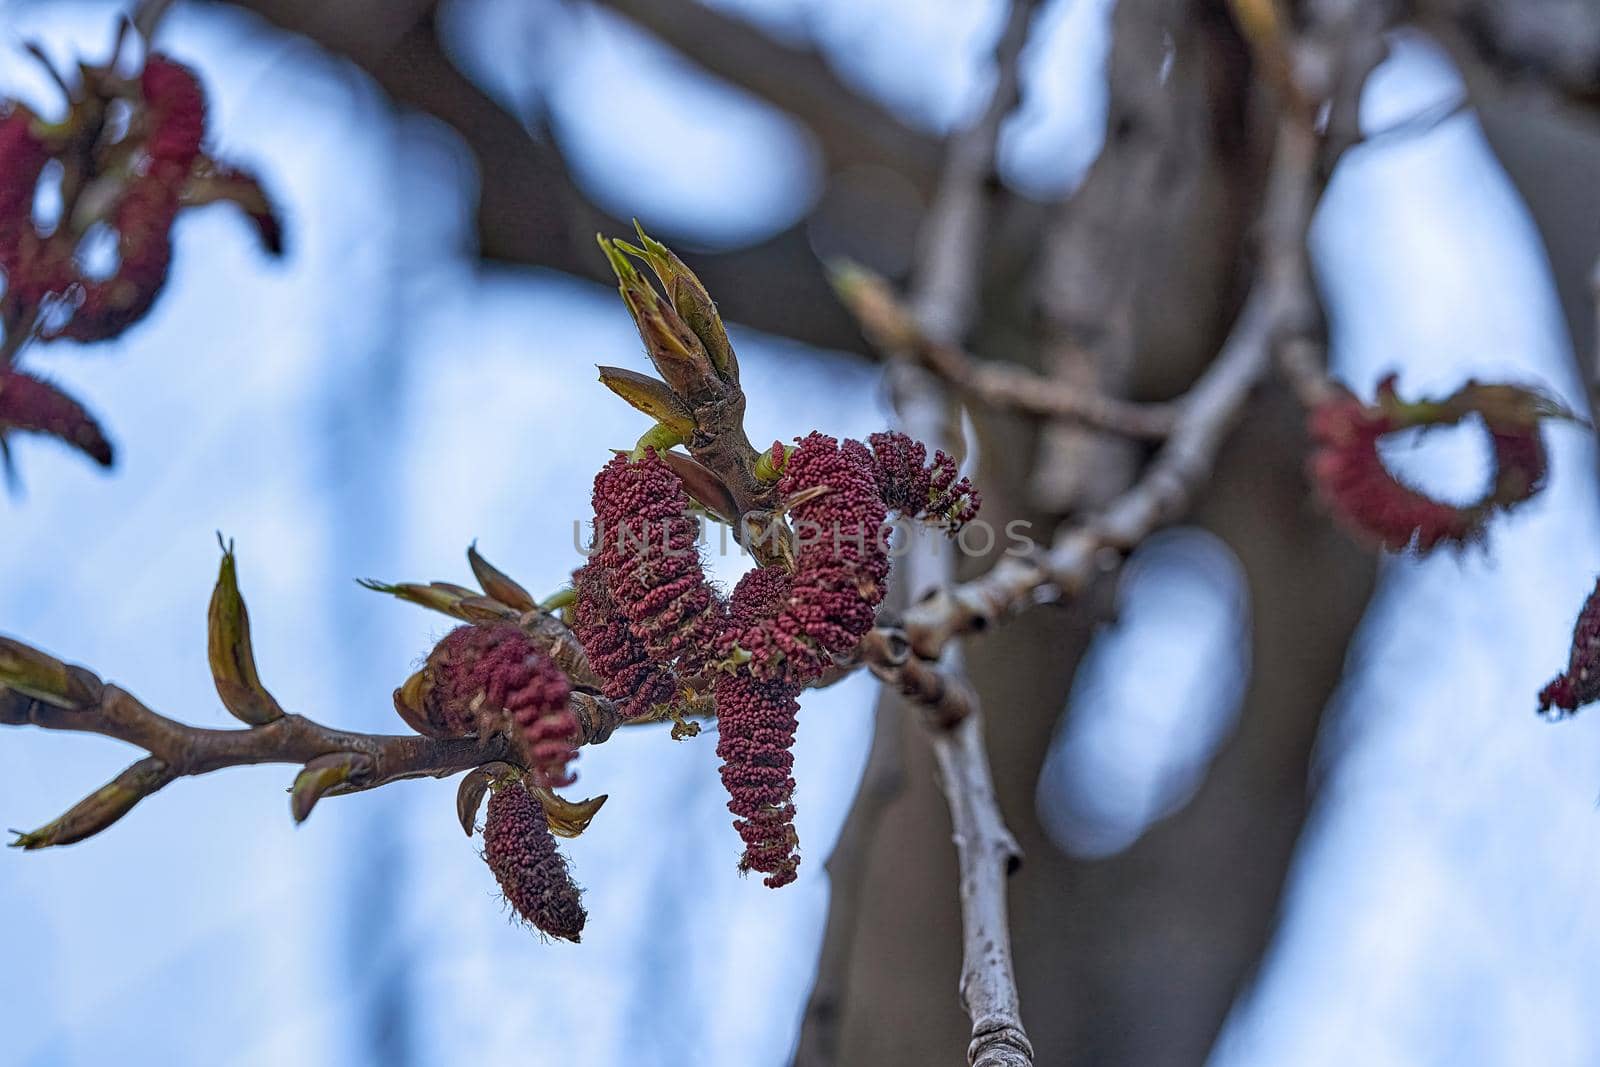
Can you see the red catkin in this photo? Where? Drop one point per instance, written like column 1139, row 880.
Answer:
column 22, row 159
column 30, row 405
column 1580, row 683
column 478, row 674
column 918, row 489
column 1358, row 488
column 522, row 853
column 756, row 721
column 646, row 547
column 841, row 563
column 174, row 113
column 627, row 673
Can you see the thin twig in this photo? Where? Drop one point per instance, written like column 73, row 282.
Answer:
column 942, row 307
column 185, row 751
column 1009, row 387
column 1275, row 315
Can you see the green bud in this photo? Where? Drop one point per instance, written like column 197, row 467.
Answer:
column 770, row 464
column 324, row 775
column 660, row 437
column 228, row 647
column 651, row 396
column 42, row 677
column 101, row 808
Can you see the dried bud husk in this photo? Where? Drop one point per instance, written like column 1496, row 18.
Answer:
column 477, row 608
column 651, row 396
column 497, row 584
column 442, row 597
column 568, row 818
column 474, row 787
column 101, row 808
column 42, row 677
column 411, row 703
column 703, row 486
column 233, row 664
column 323, row 775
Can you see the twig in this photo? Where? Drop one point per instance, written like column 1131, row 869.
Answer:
column 179, row 750
column 894, row 330
column 851, row 129
column 1010, row 387
column 942, row 307
column 1275, row 315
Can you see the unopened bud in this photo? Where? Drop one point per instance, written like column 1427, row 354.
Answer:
column 322, row 776
column 35, row 674
column 228, row 647
column 651, row 396
column 101, row 808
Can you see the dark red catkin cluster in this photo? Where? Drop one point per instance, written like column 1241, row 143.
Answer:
column 522, row 853
column 918, row 489
column 1356, row 485
column 32, row 406
column 627, row 673
column 1580, row 684
column 841, row 563
column 174, row 112
column 130, row 179
column 646, row 545
column 23, row 155
column 480, row 677
column 756, row 721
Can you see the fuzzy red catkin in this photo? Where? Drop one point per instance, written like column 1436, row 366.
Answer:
column 756, row 722
column 28, row 404
column 514, row 679
column 1352, row 479
column 1580, row 684
column 841, row 564
column 22, row 159
column 627, row 673
column 646, row 546
column 174, row 111
column 522, row 853
column 918, row 489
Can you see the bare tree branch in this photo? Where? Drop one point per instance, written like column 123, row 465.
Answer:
column 943, row 303
column 179, row 750
column 851, row 129
column 1005, row 387
column 1275, row 315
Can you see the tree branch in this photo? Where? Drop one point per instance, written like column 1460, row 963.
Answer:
column 850, row 129
column 1275, row 315
column 943, row 303
column 1006, row 387
column 179, row 750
